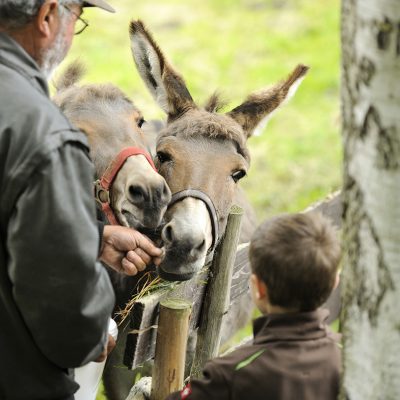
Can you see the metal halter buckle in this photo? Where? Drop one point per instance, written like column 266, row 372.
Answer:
column 100, row 194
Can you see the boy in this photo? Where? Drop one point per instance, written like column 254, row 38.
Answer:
column 294, row 261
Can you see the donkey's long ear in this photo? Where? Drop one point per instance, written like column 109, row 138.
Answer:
column 70, row 76
column 166, row 85
column 258, row 107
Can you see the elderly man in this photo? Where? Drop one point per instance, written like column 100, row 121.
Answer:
column 55, row 297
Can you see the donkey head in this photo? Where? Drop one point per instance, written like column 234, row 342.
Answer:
column 138, row 195
column 199, row 150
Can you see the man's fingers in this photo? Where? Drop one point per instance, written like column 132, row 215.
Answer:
column 133, row 258
column 110, row 344
column 148, row 246
column 101, row 357
column 109, row 348
column 139, row 252
column 128, row 268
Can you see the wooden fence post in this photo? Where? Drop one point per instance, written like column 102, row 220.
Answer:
column 169, row 360
column 216, row 301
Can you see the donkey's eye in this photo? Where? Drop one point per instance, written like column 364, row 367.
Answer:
column 163, row 157
column 238, row 175
column 141, row 122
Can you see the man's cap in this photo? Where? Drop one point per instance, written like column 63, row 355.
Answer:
column 98, row 3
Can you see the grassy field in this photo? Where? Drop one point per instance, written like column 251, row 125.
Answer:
column 237, row 47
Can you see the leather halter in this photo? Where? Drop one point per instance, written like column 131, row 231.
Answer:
column 198, row 194
column 103, row 185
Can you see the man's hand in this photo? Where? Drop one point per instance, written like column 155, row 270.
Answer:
column 127, row 250
column 109, row 348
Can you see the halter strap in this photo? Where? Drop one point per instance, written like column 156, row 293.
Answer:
column 198, row 194
column 103, row 185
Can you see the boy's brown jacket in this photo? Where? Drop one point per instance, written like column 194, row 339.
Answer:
column 293, row 356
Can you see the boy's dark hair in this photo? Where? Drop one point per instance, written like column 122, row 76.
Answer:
column 297, row 257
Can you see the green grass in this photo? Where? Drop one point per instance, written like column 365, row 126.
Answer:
column 237, row 47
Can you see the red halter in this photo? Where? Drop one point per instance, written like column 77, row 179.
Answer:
column 103, row 185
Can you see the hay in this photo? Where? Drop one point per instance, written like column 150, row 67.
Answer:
column 151, row 284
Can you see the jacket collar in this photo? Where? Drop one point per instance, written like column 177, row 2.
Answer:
column 13, row 56
column 292, row 326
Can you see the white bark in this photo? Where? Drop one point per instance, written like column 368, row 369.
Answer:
column 371, row 231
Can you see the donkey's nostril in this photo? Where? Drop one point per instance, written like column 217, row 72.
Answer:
column 136, row 194
column 168, row 234
column 165, row 194
column 201, row 246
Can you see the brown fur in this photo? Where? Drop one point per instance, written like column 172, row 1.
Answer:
column 180, row 97
column 262, row 103
column 214, row 103
column 209, row 125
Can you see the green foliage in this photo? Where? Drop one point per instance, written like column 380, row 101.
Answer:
column 237, row 47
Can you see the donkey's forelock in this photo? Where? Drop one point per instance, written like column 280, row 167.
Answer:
column 215, row 103
column 201, row 123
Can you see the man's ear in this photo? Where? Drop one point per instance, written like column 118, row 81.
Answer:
column 47, row 19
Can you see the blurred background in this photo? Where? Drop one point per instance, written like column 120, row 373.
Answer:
column 236, row 47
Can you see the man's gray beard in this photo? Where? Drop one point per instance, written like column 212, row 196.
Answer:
column 53, row 56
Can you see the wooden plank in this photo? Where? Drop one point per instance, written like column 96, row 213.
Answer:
column 217, row 296
column 241, row 273
column 330, row 207
column 170, row 353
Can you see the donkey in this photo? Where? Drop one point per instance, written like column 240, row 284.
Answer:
column 201, row 154
column 129, row 189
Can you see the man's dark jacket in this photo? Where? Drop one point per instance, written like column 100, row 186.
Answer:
column 55, row 298
column 293, row 357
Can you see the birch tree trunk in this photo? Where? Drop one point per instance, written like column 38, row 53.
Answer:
column 371, row 231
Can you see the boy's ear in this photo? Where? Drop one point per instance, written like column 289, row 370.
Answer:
column 259, row 286
column 337, row 280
